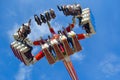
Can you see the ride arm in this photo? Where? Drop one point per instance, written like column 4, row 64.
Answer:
column 36, row 43
column 38, row 57
column 50, row 28
column 39, row 42
column 82, row 36
column 70, row 27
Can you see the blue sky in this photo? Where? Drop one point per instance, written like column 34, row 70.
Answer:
column 99, row 59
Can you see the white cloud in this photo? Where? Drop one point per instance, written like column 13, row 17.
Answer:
column 110, row 65
column 43, row 77
column 37, row 31
column 42, row 30
column 24, row 72
column 25, row 1
column 78, row 57
column 12, row 31
column 11, row 13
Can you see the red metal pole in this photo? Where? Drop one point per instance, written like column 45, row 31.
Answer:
column 70, row 68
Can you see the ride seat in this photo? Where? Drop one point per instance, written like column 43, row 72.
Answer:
column 22, row 52
column 76, row 45
column 48, row 54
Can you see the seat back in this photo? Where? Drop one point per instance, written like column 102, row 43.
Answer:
column 76, row 45
column 58, row 52
column 87, row 20
column 22, row 52
column 68, row 49
column 48, row 54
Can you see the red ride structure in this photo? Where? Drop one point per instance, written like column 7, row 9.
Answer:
column 58, row 46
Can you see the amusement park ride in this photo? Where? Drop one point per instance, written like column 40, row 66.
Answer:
column 58, row 46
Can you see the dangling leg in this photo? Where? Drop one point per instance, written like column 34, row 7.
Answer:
column 52, row 51
column 47, row 15
column 43, row 18
column 37, row 19
column 59, row 8
column 70, row 42
column 87, row 28
column 79, row 18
